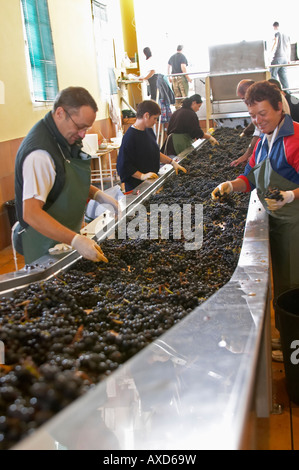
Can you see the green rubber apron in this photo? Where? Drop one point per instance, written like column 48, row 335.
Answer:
column 283, row 225
column 181, row 142
column 68, row 209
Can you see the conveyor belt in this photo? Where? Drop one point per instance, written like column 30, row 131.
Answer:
column 196, row 386
column 50, row 265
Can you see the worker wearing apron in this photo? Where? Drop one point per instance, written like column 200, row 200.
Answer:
column 52, row 180
column 283, row 224
column 274, row 164
column 68, row 209
column 184, row 128
column 139, row 155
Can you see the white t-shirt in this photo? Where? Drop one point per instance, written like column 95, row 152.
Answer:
column 38, row 175
column 149, row 65
column 257, row 132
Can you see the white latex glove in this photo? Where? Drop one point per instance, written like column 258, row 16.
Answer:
column 147, row 176
column 274, row 205
column 213, row 141
column 178, row 167
column 88, row 248
column 223, row 188
column 102, row 198
column 60, row 247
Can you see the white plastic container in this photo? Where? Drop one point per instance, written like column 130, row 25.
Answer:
column 90, row 144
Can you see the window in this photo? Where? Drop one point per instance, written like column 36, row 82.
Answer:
column 104, row 49
column 40, row 49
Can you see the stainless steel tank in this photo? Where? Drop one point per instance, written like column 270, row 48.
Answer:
column 229, row 64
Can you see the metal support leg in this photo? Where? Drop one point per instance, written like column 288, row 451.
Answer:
column 110, row 169
column 101, row 174
column 208, row 103
column 263, row 400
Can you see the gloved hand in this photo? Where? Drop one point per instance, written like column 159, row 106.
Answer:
column 103, row 198
column 147, row 176
column 274, row 205
column 178, row 167
column 60, row 247
column 223, row 188
column 88, row 248
column 213, row 141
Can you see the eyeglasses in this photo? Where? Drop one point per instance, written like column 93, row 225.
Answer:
column 85, row 128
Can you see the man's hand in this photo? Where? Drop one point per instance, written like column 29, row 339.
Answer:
column 287, row 198
column 147, row 176
column 88, row 248
column 221, row 190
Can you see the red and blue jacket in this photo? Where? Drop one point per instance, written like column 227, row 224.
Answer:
column 284, row 155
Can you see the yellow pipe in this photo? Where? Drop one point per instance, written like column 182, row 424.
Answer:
column 128, row 25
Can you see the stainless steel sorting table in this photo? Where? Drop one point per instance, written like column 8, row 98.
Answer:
column 201, row 385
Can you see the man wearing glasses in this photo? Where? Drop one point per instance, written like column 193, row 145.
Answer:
column 52, row 180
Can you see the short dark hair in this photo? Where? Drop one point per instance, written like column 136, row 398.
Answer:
column 179, row 48
column 263, row 91
column 188, row 101
column 74, row 97
column 275, row 82
column 243, row 86
column 148, row 106
column 276, row 24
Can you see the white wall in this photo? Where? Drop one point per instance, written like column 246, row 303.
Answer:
column 163, row 24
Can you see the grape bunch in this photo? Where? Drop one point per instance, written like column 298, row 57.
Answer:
column 274, row 193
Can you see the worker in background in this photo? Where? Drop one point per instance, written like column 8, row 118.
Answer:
column 292, row 101
column 151, row 73
column 274, row 164
column 159, row 88
column 281, row 50
column 52, row 180
column 184, row 127
column 178, row 64
column 139, row 155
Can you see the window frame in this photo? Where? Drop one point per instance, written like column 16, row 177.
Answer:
column 104, row 49
column 39, row 52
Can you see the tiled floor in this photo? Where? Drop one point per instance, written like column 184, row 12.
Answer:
column 7, row 263
column 278, row 432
